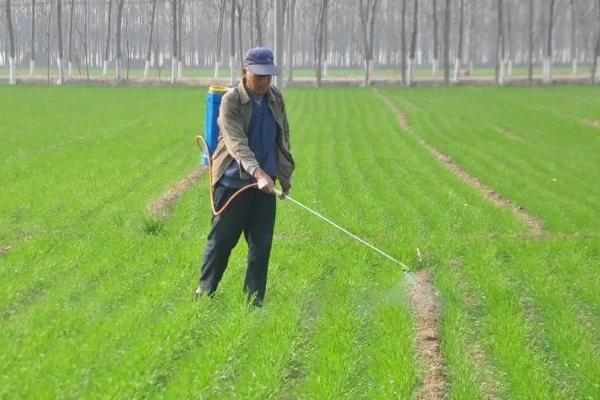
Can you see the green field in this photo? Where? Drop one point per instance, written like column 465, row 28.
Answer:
column 95, row 298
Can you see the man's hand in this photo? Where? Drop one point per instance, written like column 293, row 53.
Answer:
column 285, row 190
column 265, row 183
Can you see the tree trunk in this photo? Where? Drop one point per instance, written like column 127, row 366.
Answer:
column 278, row 42
column 531, row 43
column 251, row 22
column 470, row 38
column 32, row 60
column 596, row 61
column 11, row 44
column 232, row 43
column 325, row 39
column 290, row 41
column 258, row 23
column 70, row 60
column 173, row 41
column 459, row 50
column 107, row 44
column 119, row 58
column 83, row 38
column 447, row 43
column 85, row 45
column 180, row 39
column 149, row 52
column 61, row 73
column 219, row 37
column 500, row 46
column 48, row 43
column 318, row 40
column 573, row 37
column 508, row 40
column 413, row 44
column 436, row 45
column 403, row 41
column 240, row 14
column 367, row 9
column 548, row 58
column 128, row 51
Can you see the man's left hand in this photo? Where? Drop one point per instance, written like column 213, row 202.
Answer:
column 285, row 190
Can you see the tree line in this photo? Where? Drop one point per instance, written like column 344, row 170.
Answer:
column 452, row 37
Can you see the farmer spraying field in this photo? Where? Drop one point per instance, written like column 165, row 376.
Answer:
column 252, row 151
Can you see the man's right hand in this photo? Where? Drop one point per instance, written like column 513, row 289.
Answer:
column 265, row 183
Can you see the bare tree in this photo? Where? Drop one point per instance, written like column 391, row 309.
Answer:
column 219, row 37
column 240, row 14
column 595, row 69
column 468, row 50
column 403, row 41
column 50, row 8
column 508, row 40
column 127, row 48
column 258, row 23
column 548, row 57
column 173, row 41
column 413, row 43
column 70, row 61
column 325, row 41
column 107, row 43
column 180, row 59
column 11, row 43
column 278, row 36
column 573, row 54
column 61, row 72
column 436, row 47
column 367, row 9
column 119, row 58
column 341, row 32
column 83, row 39
column 149, row 52
column 290, row 40
column 232, row 43
column 32, row 60
column 459, row 50
column 531, row 42
column 500, row 46
column 447, row 43
column 319, row 39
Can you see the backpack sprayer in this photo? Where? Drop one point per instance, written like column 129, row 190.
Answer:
column 208, row 145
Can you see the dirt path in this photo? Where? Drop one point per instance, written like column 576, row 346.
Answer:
column 160, row 207
column 424, row 302
column 308, row 81
column 536, row 226
column 591, row 122
column 4, row 250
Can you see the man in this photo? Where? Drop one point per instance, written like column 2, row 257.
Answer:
column 253, row 147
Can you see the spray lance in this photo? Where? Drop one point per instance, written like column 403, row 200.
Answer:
column 207, row 146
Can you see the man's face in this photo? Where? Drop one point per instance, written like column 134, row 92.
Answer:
column 259, row 84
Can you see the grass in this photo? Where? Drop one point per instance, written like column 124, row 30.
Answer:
column 527, row 302
column 96, row 298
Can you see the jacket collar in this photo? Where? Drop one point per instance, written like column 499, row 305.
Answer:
column 245, row 97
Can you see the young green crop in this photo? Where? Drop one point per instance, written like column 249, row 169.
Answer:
column 96, row 297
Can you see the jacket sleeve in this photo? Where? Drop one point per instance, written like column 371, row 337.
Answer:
column 286, row 126
column 232, row 131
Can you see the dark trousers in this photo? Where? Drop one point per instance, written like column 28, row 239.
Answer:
column 253, row 212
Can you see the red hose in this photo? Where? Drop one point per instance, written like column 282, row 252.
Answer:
column 204, row 146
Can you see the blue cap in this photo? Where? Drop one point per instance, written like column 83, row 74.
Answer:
column 259, row 61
